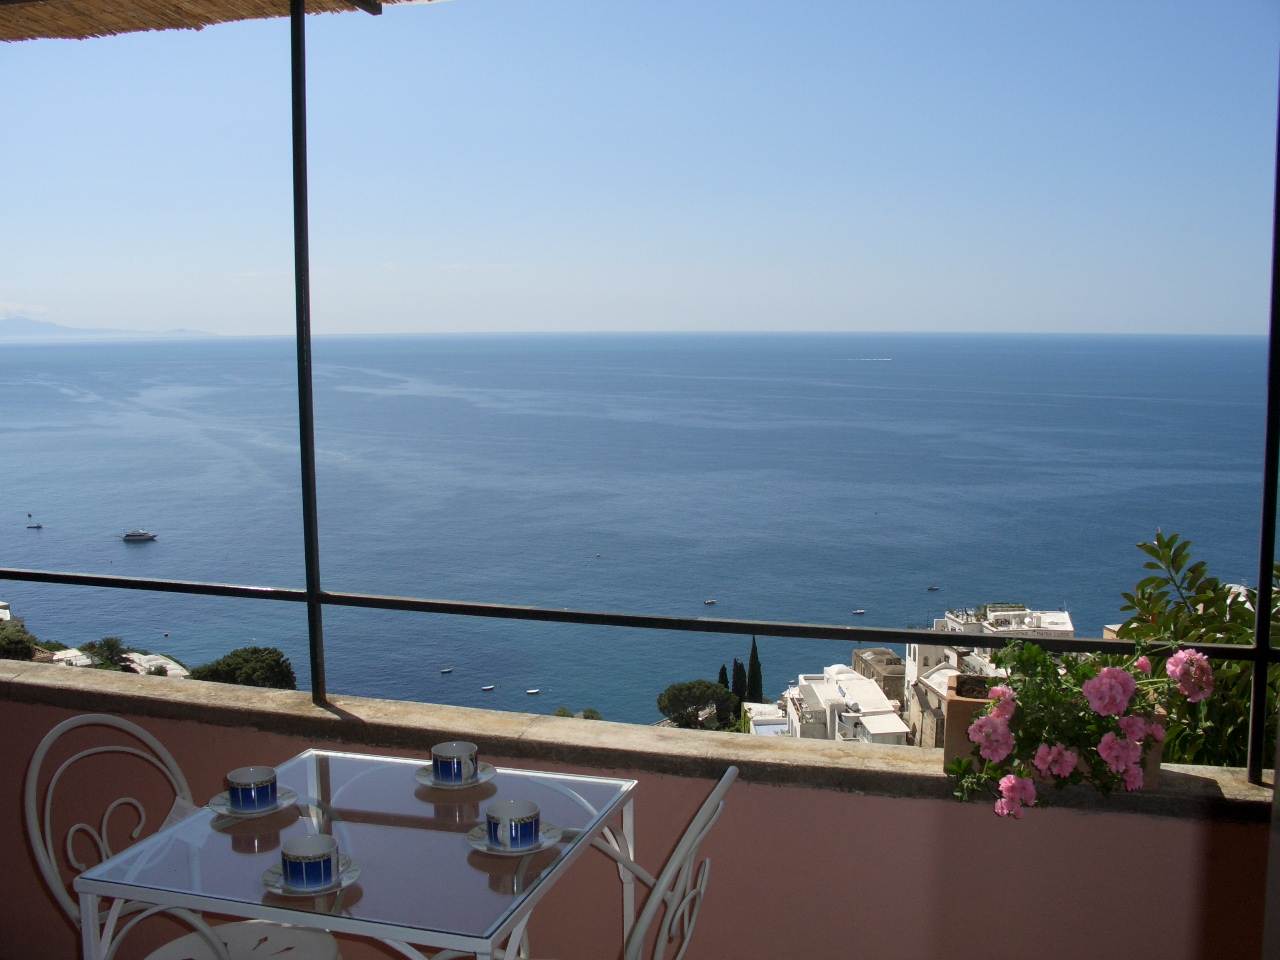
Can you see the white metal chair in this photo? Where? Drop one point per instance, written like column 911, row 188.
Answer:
column 247, row 940
column 675, row 894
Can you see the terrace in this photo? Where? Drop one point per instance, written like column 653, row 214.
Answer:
column 1178, row 873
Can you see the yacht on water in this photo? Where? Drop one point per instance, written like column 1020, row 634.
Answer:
column 138, row 536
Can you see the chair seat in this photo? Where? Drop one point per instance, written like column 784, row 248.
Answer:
column 254, row 940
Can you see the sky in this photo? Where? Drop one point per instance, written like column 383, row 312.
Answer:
column 571, row 165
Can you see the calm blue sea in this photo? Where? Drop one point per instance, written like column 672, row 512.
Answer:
column 787, row 477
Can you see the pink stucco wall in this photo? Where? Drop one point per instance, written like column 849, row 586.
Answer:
column 800, row 872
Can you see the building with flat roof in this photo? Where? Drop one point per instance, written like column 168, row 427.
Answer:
column 148, row 662
column 884, row 667
column 928, row 667
column 841, row 704
column 767, row 719
column 6, row 615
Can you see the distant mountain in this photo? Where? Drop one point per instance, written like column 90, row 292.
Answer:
column 26, row 330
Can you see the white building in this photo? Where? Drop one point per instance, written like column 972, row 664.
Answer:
column 841, row 704
column 146, row 662
column 767, row 719
column 72, row 657
column 930, row 666
column 6, row 615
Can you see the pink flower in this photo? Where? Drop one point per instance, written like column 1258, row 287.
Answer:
column 1110, row 691
column 1004, row 705
column 1118, row 753
column 993, row 737
column 1192, row 673
column 1057, row 760
column 1045, row 756
column 1156, row 730
column 1008, row 808
column 1066, row 764
column 1133, row 777
column 1143, row 665
column 1015, row 793
column 1134, row 727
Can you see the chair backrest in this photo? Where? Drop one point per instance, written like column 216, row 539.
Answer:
column 677, row 894
column 38, row 804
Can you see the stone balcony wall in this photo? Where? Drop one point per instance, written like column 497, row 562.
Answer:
column 824, row 850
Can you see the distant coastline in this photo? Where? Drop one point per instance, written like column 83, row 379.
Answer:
column 26, row 330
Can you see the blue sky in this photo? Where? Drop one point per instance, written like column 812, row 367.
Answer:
column 530, row 165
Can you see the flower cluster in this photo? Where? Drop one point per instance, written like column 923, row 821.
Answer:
column 1072, row 719
column 1192, row 673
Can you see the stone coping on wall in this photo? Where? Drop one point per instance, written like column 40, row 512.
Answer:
column 1185, row 791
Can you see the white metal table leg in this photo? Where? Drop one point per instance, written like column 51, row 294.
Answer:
column 90, row 932
column 628, row 878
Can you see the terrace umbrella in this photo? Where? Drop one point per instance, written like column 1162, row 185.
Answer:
column 80, row 19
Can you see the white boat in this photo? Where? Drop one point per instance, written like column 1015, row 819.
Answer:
column 489, row 687
column 138, row 536
column 534, row 690
column 447, row 670
column 709, row 603
column 859, row 612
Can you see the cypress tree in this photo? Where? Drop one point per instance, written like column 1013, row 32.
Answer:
column 739, row 686
column 755, row 679
column 724, row 677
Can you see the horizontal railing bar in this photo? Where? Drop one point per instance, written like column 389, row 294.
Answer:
column 163, row 586
column 761, row 628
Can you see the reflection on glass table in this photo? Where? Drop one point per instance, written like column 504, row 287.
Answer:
column 419, row 881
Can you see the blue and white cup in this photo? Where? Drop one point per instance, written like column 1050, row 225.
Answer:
column 251, row 789
column 454, row 762
column 514, row 824
column 310, row 862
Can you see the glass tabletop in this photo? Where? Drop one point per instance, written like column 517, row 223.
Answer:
column 418, row 869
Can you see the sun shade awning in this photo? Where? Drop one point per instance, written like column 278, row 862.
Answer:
column 79, row 19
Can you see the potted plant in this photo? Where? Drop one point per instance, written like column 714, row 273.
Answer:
column 1073, row 719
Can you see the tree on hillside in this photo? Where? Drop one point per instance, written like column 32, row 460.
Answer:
column 755, row 678
column 250, row 667
column 739, row 685
column 683, row 703
column 562, row 711
column 15, row 642
column 724, row 676
column 591, row 713
column 109, row 652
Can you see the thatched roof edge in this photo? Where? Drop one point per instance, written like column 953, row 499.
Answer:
column 81, row 19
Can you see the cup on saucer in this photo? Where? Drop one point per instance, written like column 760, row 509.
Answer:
column 454, row 762
column 251, row 790
column 514, row 825
column 309, row 862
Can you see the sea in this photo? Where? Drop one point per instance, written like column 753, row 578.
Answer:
column 787, row 477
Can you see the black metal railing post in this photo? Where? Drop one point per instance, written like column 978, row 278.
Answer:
column 302, row 295
column 1267, row 540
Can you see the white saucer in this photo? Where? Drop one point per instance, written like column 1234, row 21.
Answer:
column 348, row 873
column 478, row 837
column 221, row 804
column 484, row 773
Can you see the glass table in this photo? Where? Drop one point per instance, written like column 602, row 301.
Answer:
column 421, row 881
